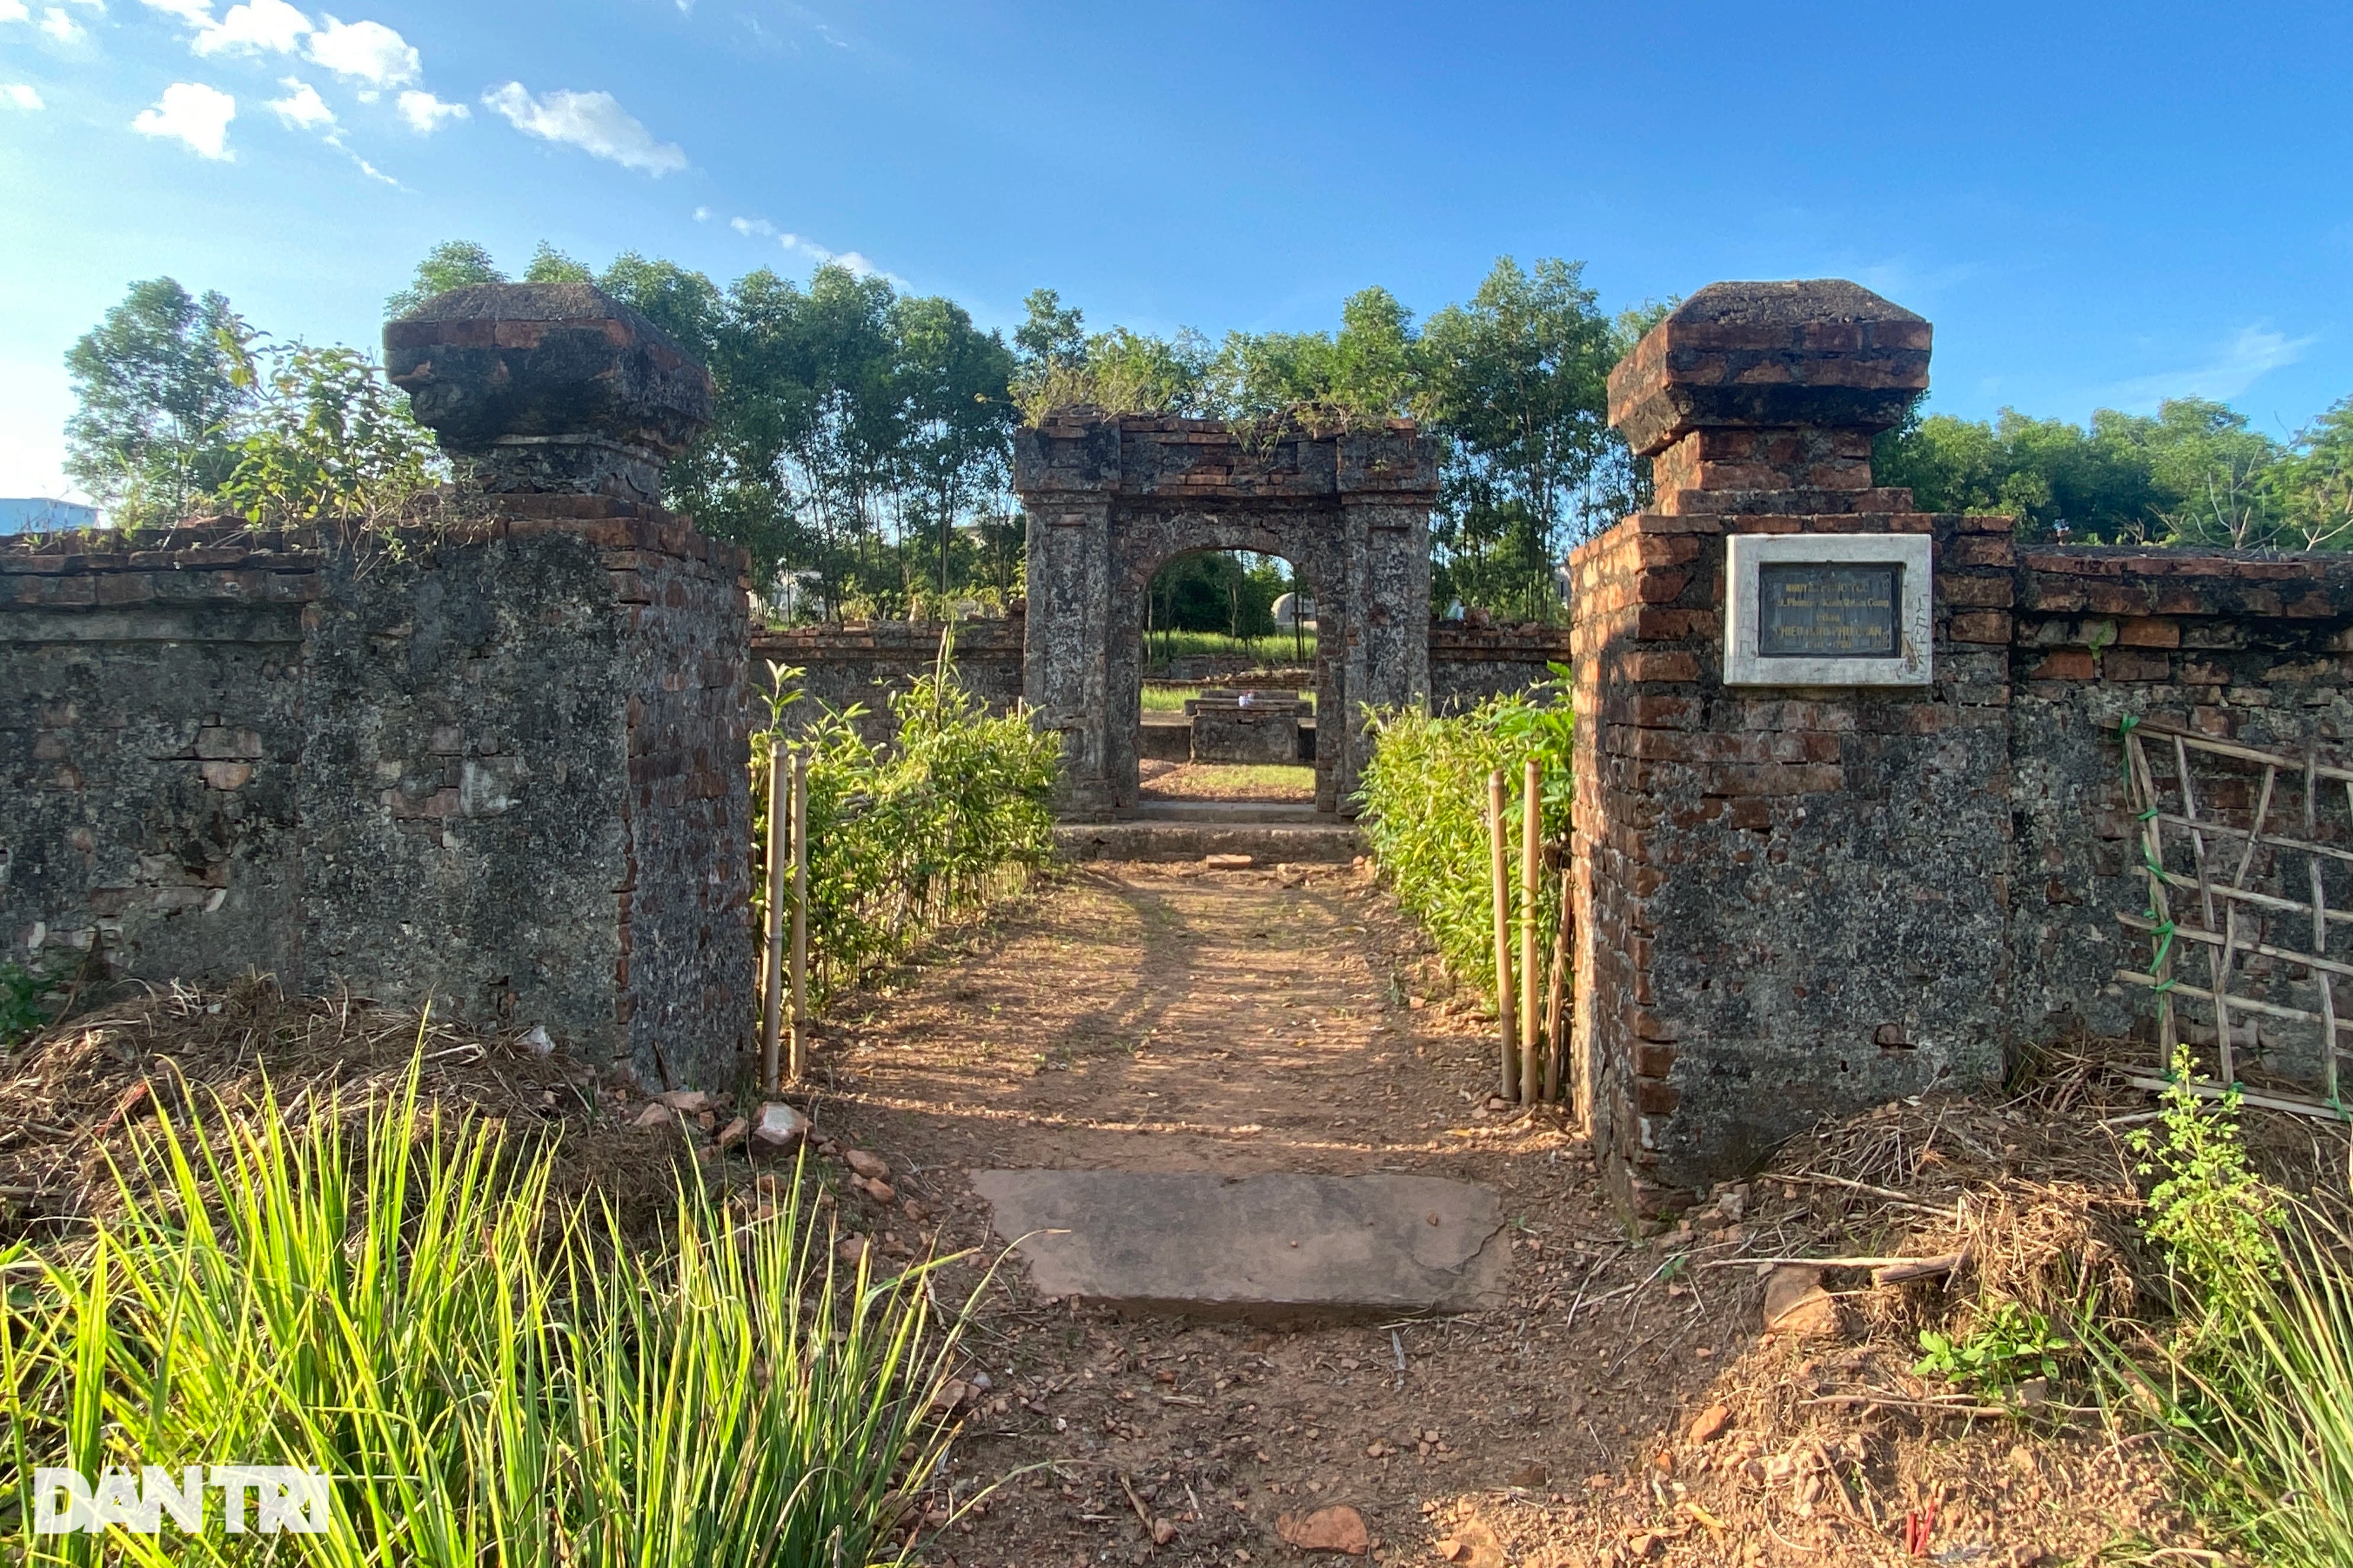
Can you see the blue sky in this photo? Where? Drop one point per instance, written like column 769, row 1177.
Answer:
column 2098, row 205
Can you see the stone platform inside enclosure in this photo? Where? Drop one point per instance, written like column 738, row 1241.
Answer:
column 1269, row 832
column 1273, row 1248
column 1257, row 727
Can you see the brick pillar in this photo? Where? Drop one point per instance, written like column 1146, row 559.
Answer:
column 559, row 408
column 1388, row 482
column 1066, row 475
column 1790, row 900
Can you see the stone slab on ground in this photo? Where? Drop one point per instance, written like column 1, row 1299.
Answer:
column 1277, row 1247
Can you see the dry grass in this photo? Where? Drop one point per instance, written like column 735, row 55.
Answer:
column 72, row 1097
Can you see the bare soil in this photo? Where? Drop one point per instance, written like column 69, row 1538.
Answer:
column 1169, row 1019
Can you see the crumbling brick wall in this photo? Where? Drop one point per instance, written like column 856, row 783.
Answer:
column 1470, row 664
column 1798, row 901
column 866, row 663
column 2235, row 645
column 501, row 770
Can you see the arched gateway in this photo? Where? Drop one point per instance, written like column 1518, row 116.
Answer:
column 1109, row 499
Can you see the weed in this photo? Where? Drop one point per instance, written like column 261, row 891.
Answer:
column 2005, row 1344
column 2214, row 1217
column 21, row 1016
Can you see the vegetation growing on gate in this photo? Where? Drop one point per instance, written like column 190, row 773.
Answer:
column 488, row 1373
column 1425, row 809
column 902, row 838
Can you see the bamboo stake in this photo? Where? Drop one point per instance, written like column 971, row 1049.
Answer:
column 2321, row 977
column 772, row 964
column 1530, row 868
column 800, row 913
column 1501, row 857
column 1556, row 993
column 2153, row 856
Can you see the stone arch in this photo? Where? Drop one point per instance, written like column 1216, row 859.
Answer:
column 1191, row 533
column 1108, row 498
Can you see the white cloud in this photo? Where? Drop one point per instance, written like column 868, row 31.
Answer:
column 60, row 26
column 20, row 95
column 593, row 122
column 12, row 11
column 194, row 113
column 367, row 52
column 752, row 225
column 2255, row 351
column 254, row 26
column 195, row 12
column 425, row 112
column 703, row 215
column 302, row 109
column 852, row 261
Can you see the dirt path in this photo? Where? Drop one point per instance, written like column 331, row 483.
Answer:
column 1244, row 1022
column 1168, row 1018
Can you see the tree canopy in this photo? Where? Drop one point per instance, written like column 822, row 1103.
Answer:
column 861, row 442
column 2195, row 472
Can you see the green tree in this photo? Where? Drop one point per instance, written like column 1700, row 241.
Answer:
column 2315, row 482
column 160, row 404
column 954, row 383
column 331, row 439
column 549, row 265
column 452, row 264
column 1517, row 380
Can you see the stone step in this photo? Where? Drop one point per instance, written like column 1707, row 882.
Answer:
column 1323, row 839
column 1278, row 1247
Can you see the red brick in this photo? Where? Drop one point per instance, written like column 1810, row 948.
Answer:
column 2141, row 632
column 1976, row 592
column 2121, row 665
column 1981, row 626
column 1653, row 1098
column 2066, row 664
column 1661, row 666
column 1653, row 1059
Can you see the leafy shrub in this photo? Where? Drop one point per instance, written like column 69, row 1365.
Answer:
column 2215, row 1218
column 330, row 438
column 1425, row 809
column 2006, row 1344
column 21, row 991
column 906, row 836
column 486, row 1374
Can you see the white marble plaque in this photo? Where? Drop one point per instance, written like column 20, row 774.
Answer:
column 1827, row 609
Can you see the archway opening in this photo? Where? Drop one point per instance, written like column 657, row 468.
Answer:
column 1228, row 681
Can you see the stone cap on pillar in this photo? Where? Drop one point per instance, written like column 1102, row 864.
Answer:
column 549, row 387
column 1751, row 391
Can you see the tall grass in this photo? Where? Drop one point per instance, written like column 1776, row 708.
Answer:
column 949, row 813
column 1424, row 799
column 2254, row 1385
column 489, row 1375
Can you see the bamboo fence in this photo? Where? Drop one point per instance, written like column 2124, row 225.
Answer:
column 2248, row 888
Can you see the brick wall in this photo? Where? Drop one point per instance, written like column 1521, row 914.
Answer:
column 501, row 770
column 869, row 662
column 1470, row 664
column 2257, row 648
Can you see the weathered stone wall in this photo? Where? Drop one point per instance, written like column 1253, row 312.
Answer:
column 2257, row 648
column 866, row 663
column 1471, row 664
column 502, row 772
